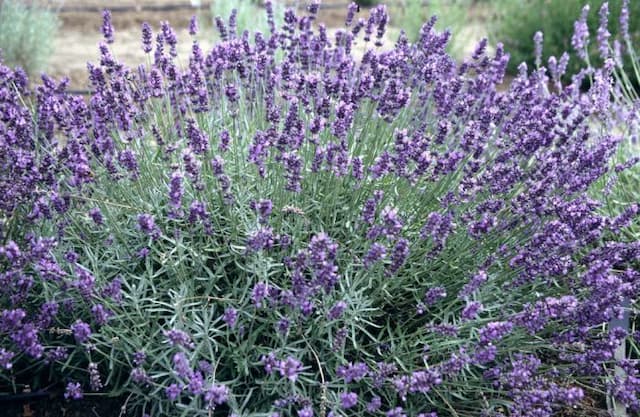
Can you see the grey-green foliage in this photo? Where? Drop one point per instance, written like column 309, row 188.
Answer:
column 26, row 34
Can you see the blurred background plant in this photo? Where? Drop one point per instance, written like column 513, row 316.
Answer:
column 250, row 14
column 27, row 31
column 463, row 18
column 514, row 23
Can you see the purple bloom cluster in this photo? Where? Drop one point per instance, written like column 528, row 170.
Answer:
column 73, row 391
column 353, row 371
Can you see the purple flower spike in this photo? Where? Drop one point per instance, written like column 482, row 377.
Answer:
column 178, row 337
column 494, row 331
column 96, row 216
column 73, row 391
column 580, row 37
column 290, row 368
column 603, row 34
column 375, row 404
column 216, row 395
column 348, row 400
column 146, row 224
column 5, row 359
column 336, row 311
column 537, row 39
column 230, row 316
column 81, row 331
column 305, row 412
column 147, row 38
column 107, row 27
column 193, row 26
column 173, row 391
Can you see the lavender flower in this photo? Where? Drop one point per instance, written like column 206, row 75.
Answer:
column 580, row 36
column 624, row 20
column 336, row 310
column 96, row 216
column 270, row 362
column 230, row 317
column 473, row 285
column 305, row 412
column 603, row 34
column 396, row 412
column 398, row 256
column 81, row 331
column 101, row 314
column 375, row 404
column 537, row 39
column 225, row 138
column 176, row 190
column 435, row 294
column 140, row 376
column 146, row 224
column 5, row 359
column 139, row 358
column 263, row 207
column 353, row 372
column 494, row 331
column 196, row 384
column 94, row 377
column 73, row 391
column 259, row 293
column 351, row 12
column 471, row 311
column 173, row 391
column 376, row 252
column 193, row 26
column 181, row 366
column 198, row 140
column 290, row 368
column 178, row 337
column 107, row 27
column 216, row 395
column 348, row 400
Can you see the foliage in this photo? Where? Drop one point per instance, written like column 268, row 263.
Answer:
column 515, row 24
column 26, row 34
column 367, row 3
column 248, row 15
column 283, row 228
column 452, row 16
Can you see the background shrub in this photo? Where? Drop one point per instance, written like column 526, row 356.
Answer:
column 249, row 15
column 413, row 14
column 516, row 22
column 26, row 34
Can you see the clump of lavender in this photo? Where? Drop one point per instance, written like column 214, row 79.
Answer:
column 345, row 194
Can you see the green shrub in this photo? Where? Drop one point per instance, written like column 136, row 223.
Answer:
column 249, row 15
column 452, row 15
column 367, row 3
column 516, row 22
column 26, row 34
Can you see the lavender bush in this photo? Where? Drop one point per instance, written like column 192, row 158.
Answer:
column 283, row 227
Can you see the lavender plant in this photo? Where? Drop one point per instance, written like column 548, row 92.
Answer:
column 283, row 228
